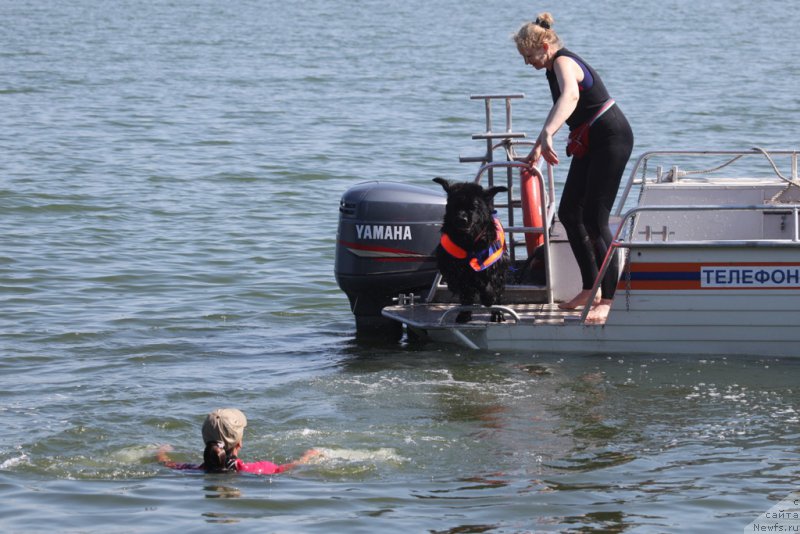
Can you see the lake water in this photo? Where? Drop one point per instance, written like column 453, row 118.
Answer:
column 169, row 188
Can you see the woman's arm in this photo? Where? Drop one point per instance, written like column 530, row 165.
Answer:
column 569, row 75
column 163, row 459
column 304, row 459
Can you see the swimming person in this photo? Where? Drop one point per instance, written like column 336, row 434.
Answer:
column 601, row 142
column 223, row 431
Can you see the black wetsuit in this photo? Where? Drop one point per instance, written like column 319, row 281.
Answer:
column 593, row 180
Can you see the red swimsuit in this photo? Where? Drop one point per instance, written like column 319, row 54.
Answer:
column 258, row 468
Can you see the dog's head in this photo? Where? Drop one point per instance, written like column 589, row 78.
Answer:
column 469, row 206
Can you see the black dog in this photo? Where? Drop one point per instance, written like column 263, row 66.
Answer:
column 472, row 255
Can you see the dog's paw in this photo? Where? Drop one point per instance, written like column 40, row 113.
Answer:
column 464, row 316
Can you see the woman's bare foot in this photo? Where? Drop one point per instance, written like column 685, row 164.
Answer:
column 599, row 312
column 579, row 301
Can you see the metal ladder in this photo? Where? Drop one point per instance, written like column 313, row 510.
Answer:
column 494, row 140
column 507, row 140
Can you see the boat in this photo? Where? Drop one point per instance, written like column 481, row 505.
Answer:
column 708, row 243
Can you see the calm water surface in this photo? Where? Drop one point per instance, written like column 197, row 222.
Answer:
column 169, row 185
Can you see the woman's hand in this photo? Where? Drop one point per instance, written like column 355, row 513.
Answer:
column 543, row 148
column 535, row 155
column 308, row 455
column 161, row 454
column 546, row 148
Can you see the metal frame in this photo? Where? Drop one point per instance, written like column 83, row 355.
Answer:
column 547, row 194
column 547, row 207
column 502, row 309
column 547, row 212
column 617, row 244
column 642, row 161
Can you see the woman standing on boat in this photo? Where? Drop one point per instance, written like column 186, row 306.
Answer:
column 601, row 141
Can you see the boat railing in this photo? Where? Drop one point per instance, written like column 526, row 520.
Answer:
column 547, row 212
column 506, row 139
column 618, row 244
column 546, row 207
column 639, row 174
column 505, row 310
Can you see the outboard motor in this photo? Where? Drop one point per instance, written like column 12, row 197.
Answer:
column 386, row 245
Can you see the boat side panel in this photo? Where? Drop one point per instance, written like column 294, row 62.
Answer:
column 696, row 340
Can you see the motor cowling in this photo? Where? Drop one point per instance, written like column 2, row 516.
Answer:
column 386, row 245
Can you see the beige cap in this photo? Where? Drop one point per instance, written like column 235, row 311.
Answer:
column 225, row 425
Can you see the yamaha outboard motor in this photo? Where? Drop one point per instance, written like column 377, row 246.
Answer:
column 386, row 245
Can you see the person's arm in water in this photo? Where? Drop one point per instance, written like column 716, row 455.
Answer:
column 164, row 460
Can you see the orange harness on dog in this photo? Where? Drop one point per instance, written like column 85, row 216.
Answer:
column 481, row 260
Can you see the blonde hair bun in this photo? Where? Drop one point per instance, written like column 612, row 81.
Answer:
column 532, row 34
column 545, row 20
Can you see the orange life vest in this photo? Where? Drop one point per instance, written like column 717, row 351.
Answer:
column 483, row 259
